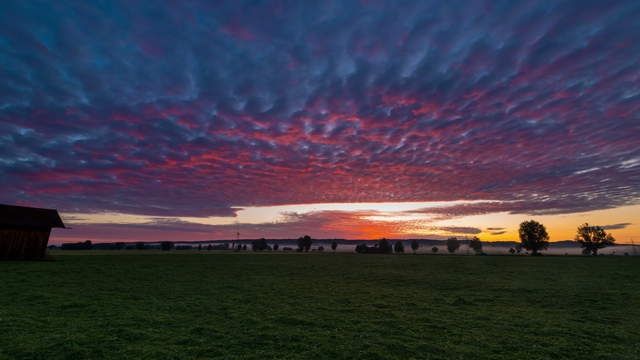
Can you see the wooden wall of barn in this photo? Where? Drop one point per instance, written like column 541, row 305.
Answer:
column 23, row 244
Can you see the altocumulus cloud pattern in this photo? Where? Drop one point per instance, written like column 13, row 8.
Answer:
column 194, row 108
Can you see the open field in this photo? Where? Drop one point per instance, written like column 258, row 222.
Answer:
column 189, row 305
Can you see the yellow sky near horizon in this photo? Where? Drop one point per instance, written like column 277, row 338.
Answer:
column 396, row 220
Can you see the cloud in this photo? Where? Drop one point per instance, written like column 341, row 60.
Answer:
column 460, row 230
column 616, row 226
column 497, row 232
column 495, row 228
column 198, row 108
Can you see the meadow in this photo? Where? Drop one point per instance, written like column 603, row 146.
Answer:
column 222, row 305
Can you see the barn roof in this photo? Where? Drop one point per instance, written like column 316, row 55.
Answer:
column 22, row 216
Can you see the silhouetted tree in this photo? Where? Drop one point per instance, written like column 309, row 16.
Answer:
column 304, row 243
column 453, row 244
column 276, row 247
column 334, row 245
column 166, row 245
column 533, row 236
column 320, row 248
column 512, row 251
column 199, row 247
column 209, row 247
column 593, row 238
column 415, row 245
column 244, row 247
column 434, row 249
column 398, row 247
column 139, row 245
column 259, row 245
column 476, row 245
column 384, row 246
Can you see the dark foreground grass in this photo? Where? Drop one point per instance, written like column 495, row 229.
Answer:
column 139, row 305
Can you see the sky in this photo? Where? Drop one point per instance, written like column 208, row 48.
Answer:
column 195, row 120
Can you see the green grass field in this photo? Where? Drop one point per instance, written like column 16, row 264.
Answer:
column 189, row 305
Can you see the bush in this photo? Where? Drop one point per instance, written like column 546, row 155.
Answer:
column 381, row 247
column 398, row 247
column 434, row 249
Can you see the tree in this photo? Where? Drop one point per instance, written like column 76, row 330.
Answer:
column 334, row 245
column 384, row 246
column 512, row 251
column 140, row 246
column 209, row 247
column 304, row 243
column 166, row 245
column 259, row 245
column 415, row 245
column 199, row 247
column 276, row 247
column 593, row 238
column 398, row 247
column 434, row 250
column 453, row 244
column 533, row 236
column 476, row 245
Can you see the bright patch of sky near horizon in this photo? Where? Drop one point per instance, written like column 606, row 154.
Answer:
column 504, row 225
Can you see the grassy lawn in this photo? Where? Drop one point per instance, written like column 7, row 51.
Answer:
column 149, row 305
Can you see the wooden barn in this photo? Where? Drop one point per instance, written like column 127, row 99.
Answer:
column 24, row 231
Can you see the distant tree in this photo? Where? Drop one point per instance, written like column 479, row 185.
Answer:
column 119, row 246
column 209, row 247
column 166, row 245
column 199, row 247
column 476, row 245
column 415, row 245
column 304, row 243
column 334, row 245
column 398, row 247
column 434, row 249
column 533, row 236
column 275, row 247
column 453, row 244
column 320, row 248
column 259, row 245
column 593, row 238
column 384, row 246
column 140, row 246
column 244, row 247
column 512, row 251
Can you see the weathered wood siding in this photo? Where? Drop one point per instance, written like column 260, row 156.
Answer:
column 23, row 244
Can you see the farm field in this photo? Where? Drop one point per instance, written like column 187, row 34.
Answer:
column 219, row 305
